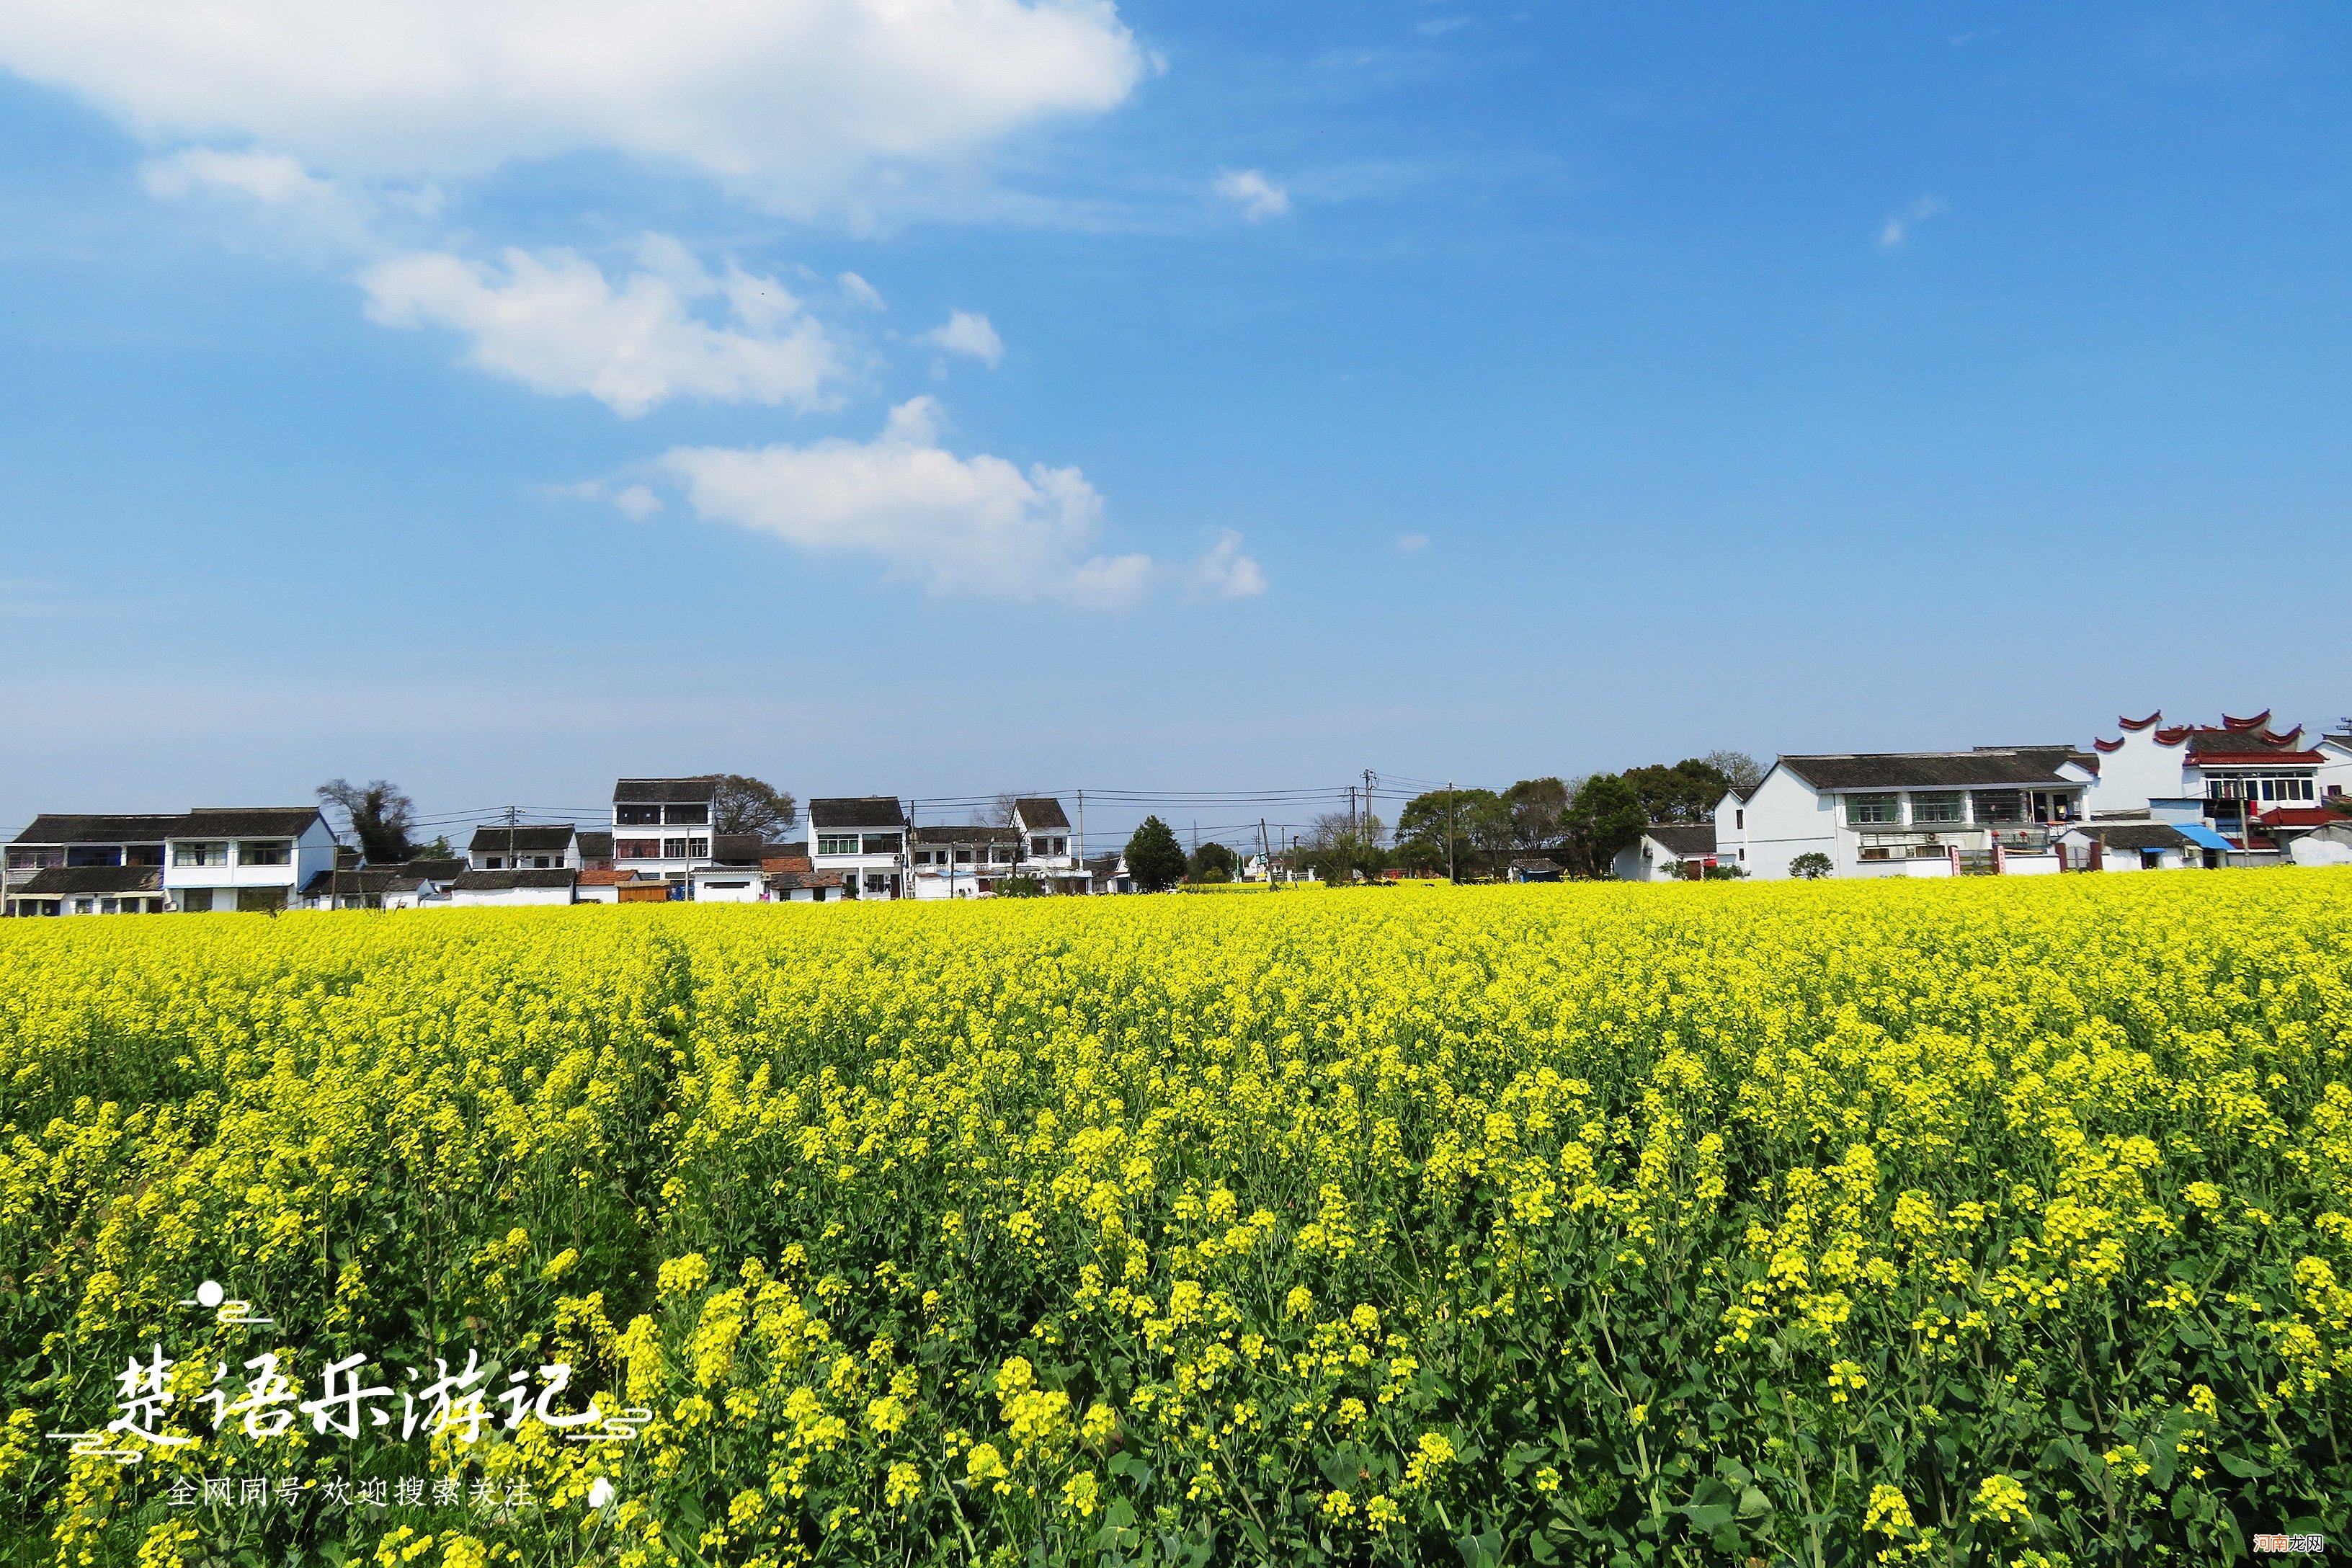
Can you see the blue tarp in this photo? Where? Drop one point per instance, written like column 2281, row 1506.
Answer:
column 2204, row 838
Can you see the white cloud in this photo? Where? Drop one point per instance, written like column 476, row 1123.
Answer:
column 1256, row 197
column 1412, row 543
column 1224, row 573
column 796, row 101
column 276, row 185
column 974, row 527
column 1898, row 226
column 967, row 333
column 554, row 323
column 859, row 292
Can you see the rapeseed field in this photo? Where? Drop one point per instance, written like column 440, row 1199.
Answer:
column 1997, row 1220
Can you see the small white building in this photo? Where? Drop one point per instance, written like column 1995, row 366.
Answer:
column 406, row 885
column 864, row 837
column 1667, row 850
column 2128, row 846
column 1904, row 813
column 89, row 890
column 552, row 847
column 507, row 889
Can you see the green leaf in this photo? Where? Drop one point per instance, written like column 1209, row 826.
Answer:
column 1712, row 1506
column 2244, row 1469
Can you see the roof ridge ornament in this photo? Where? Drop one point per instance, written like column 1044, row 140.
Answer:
column 2140, row 723
column 2256, row 722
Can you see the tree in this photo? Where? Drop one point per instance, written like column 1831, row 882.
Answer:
column 1538, row 809
column 1605, row 816
column 1020, row 885
column 1211, row 862
column 1340, row 847
column 379, row 816
column 1810, row 865
column 1742, row 771
column 1154, row 859
column 1687, row 791
column 746, row 806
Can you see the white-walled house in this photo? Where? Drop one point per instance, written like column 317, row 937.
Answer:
column 546, row 847
column 2256, row 788
column 1903, row 813
column 406, row 885
column 2128, row 846
column 503, row 890
column 1048, row 850
column 212, row 859
column 661, row 828
column 959, row 861
column 1662, row 846
column 245, row 859
column 864, row 837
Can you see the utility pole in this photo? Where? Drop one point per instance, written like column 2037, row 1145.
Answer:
column 1450, row 831
column 1082, row 841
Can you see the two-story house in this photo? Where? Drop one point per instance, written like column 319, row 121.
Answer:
column 1048, row 850
column 539, row 848
column 77, row 864
column 245, row 858
column 864, row 837
column 661, row 828
column 960, row 861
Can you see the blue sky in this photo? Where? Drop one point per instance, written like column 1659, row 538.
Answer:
column 1179, row 397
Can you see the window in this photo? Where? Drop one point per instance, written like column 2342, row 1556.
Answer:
column 1935, row 806
column 1738, row 818
column 1868, row 809
column 1037, row 845
column 494, row 863
column 636, row 816
column 142, row 854
column 541, row 862
column 265, row 852
column 675, row 849
column 2268, row 785
column 637, row 849
column 2001, row 806
column 34, row 860
column 1003, row 855
column 260, row 900
column 836, row 844
column 2302, row 790
column 1061, row 846
column 694, row 816
column 196, row 901
column 93, row 855
column 881, row 844
column 194, row 854
column 963, row 856
column 876, row 882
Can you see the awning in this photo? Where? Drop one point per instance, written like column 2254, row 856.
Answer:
column 2204, row 838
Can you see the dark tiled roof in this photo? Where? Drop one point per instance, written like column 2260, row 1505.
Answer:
column 55, row 827
column 1931, row 770
column 793, row 861
column 856, row 811
column 542, row 840
column 661, row 791
column 1040, row 813
column 352, row 881
column 1104, row 865
column 746, row 848
column 499, row 881
column 787, row 881
column 434, row 870
column 1534, row 863
column 62, row 879
column 596, row 846
column 1681, row 840
column 2137, row 836
column 950, row 835
column 247, row 822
